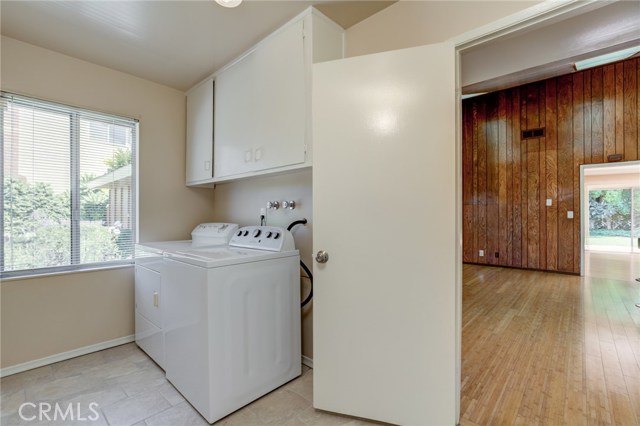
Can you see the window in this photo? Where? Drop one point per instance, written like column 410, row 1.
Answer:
column 68, row 187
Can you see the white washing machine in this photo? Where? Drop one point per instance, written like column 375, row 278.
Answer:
column 149, row 295
column 232, row 319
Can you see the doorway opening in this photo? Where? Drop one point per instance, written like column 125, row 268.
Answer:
column 610, row 196
column 612, row 222
column 543, row 184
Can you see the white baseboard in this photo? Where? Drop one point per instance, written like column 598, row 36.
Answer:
column 19, row 368
column 307, row 361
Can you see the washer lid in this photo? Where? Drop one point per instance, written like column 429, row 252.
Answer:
column 160, row 247
column 215, row 257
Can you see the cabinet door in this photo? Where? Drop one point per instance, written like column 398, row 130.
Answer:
column 200, row 133
column 260, row 108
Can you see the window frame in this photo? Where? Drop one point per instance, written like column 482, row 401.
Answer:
column 76, row 114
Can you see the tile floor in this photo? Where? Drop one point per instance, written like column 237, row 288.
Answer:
column 130, row 389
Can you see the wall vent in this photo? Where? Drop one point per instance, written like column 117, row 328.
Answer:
column 533, row 133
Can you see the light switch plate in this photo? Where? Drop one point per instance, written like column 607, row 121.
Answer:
column 569, row 215
column 481, row 253
column 549, row 202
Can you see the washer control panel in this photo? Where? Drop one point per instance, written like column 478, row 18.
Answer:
column 269, row 238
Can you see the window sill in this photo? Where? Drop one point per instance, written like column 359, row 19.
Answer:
column 90, row 268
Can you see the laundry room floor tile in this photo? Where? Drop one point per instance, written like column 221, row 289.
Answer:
column 181, row 414
column 131, row 390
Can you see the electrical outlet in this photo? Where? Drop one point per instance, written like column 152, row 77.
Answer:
column 497, row 254
column 569, row 215
column 481, row 253
column 549, row 202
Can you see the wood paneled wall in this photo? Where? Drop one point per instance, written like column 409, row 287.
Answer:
column 587, row 116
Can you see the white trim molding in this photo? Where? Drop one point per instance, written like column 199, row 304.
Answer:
column 307, row 361
column 29, row 365
column 546, row 11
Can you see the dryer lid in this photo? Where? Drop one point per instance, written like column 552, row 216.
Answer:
column 213, row 234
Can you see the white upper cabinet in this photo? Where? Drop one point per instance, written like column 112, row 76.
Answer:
column 260, row 115
column 260, row 107
column 200, row 133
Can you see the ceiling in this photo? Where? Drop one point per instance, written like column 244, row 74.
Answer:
column 550, row 49
column 176, row 43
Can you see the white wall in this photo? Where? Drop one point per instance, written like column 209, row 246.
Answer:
column 612, row 181
column 414, row 23
column 45, row 316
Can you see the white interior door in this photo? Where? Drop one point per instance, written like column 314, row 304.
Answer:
column 384, row 186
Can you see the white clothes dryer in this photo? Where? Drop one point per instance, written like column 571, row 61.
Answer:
column 149, row 295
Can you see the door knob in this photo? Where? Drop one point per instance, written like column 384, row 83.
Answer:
column 322, row 256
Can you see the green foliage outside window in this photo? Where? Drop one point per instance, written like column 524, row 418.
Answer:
column 93, row 202
column 610, row 210
column 611, row 218
column 37, row 230
column 121, row 158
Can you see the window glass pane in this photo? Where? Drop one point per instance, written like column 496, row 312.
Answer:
column 609, row 220
column 635, row 216
column 67, row 186
column 106, row 227
column 36, row 187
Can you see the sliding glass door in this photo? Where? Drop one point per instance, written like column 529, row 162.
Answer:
column 635, row 219
column 614, row 220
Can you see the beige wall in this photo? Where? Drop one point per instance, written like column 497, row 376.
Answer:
column 240, row 202
column 414, row 23
column 168, row 210
column 46, row 316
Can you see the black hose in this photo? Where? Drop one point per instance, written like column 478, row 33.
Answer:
column 310, row 295
column 302, row 221
column 303, row 266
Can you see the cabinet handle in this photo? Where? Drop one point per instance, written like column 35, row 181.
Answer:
column 155, row 299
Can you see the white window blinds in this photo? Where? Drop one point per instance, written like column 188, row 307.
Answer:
column 68, row 187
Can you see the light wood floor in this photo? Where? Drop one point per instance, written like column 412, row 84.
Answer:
column 549, row 349
column 619, row 266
